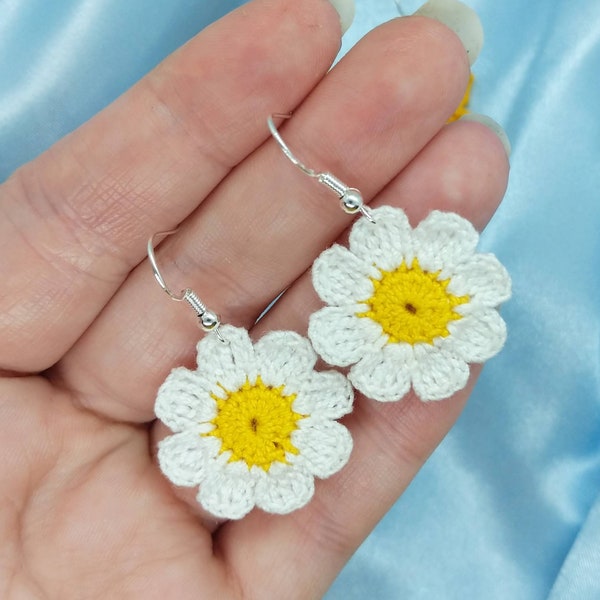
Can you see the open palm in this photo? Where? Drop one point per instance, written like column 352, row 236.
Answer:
column 87, row 336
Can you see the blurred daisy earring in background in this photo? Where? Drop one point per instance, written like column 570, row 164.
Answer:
column 464, row 21
column 254, row 423
column 405, row 307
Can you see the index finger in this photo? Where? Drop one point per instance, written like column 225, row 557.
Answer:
column 73, row 222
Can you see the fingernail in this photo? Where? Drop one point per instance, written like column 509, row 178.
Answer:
column 461, row 19
column 490, row 124
column 345, row 9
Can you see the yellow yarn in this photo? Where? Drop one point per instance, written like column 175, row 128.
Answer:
column 412, row 305
column 462, row 109
column 255, row 424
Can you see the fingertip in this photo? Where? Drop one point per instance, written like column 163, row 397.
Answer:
column 493, row 126
column 461, row 19
column 434, row 52
column 346, row 10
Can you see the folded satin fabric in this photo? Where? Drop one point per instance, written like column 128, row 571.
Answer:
column 62, row 62
column 578, row 578
column 504, row 507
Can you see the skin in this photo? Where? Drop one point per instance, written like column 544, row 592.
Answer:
column 87, row 335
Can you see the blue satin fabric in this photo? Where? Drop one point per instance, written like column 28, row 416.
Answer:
column 508, row 507
column 61, row 61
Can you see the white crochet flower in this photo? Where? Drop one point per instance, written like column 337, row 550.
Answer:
column 254, row 424
column 409, row 306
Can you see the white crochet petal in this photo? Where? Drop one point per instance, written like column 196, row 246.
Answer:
column 229, row 363
column 385, row 375
column 444, row 240
column 328, row 395
column 437, row 373
column 483, row 279
column 324, row 446
column 476, row 337
column 283, row 357
column 228, row 492
column 340, row 337
column 184, row 400
column 183, row 459
column 284, row 489
column 385, row 243
column 339, row 277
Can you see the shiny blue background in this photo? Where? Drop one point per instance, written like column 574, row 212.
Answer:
column 508, row 507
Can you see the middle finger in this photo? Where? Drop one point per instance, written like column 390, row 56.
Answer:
column 265, row 224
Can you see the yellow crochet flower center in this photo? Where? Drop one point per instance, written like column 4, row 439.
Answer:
column 255, row 424
column 413, row 305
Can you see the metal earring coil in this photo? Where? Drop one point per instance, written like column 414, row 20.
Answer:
column 208, row 320
column 351, row 199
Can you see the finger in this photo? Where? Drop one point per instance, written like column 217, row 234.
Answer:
column 74, row 221
column 391, row 441
column 267, row 222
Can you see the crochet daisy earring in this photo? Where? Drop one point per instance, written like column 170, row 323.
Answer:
column 254, row 423
column 406, row 307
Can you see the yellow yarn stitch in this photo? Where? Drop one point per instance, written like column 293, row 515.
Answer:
column 412, row 305
column 462, row 109
column 255, row 424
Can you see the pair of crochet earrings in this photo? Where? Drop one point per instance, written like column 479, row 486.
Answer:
column 255, row 423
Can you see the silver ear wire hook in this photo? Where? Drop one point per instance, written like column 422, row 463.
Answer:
column 351, row 199
column 207, row 319
column 156, row 270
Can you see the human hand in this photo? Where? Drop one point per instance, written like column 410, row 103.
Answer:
column 88, row 336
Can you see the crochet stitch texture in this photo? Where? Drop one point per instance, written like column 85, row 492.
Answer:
column 254, row 424
column 409, row 306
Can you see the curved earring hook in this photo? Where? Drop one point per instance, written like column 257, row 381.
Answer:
column 351, row 199
column 284, row 147
column 156, row 270
column 207, row 319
